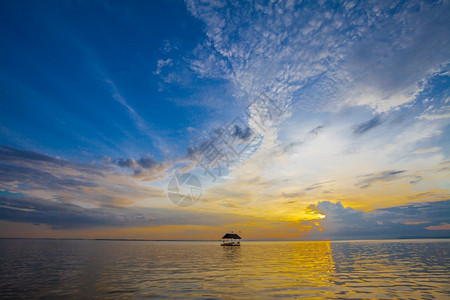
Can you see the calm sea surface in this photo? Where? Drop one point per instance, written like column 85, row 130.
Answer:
column 408, row 269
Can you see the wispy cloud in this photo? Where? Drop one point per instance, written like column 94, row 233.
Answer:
column 370, row 179
column 427, row 150
column 435, row 116
column 366, row 126
column 141, row 124
column 443, row 226
column 54, row 179
column 318, row 185
column 61, row 215
column 291, row 195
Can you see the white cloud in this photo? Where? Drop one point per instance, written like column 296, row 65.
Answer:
column 427, row 150
column 342, row 66
column 161, row 63
column 435, row 116
column 374, row 54
column 141, row 124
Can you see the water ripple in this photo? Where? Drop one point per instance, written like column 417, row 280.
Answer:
column 314, row 270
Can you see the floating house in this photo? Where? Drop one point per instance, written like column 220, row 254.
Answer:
column 231, row 239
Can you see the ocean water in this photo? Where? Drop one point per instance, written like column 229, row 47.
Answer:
column 394, row 269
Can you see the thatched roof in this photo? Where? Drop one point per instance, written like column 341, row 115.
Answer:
column 231, row 236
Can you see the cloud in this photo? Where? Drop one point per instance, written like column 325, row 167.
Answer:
column 311, row 136
column 144, row 163
column 366, row 126
column 385, row 176
column 148, row 162
column 138, row 120
column 370, row 179
column 435, row 116
column 46, row 177
column 242, row 133
column 161, row 63
column 391, row 65
column 427, row 150
column 340, row 63
column 292, row 195
column 223, row 148
column 66, row 195
column 127, row 163
column 36, row 177
column 141, row 124
column 375, row 54
column 412, row 220
column 32, row 169
column 12, row 155
column 60, row 215
column 146, row 168
column 318, row 185
column 443, row 226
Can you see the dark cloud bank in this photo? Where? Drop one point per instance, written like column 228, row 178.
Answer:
column 33, row 169
column 60, row 215
column 407, row 221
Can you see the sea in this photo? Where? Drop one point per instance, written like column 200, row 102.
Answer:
column 106, row 269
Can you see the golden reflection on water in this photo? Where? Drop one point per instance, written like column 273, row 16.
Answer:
column 256, row 270
column 278, row 269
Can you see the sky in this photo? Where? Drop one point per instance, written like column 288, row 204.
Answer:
column 186, row 120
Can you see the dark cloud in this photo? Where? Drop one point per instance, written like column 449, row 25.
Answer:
column 242, row 133
column 292, row 195
column 216, row 137
column 65, row 215
column 312, row 135
column 143, row 167
column 193, row 152
column 13, row 155
column 18, row 157
column 317, row 130
column 36, row 170
column 427, row 195
column 388, row 175
column 318, row 185
column 290, row 202
column 35, row 177
column 393, row 222
column 148, row 162
column 59, row 215
column 63, row 181
column 366, row 126
column 126, row 163
column 416, row 179
column 142, row 163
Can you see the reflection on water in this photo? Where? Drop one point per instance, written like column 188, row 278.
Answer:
column 113, row 269
column 276, row 268
column 387, row 269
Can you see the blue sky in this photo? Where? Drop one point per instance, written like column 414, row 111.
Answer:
column 103, row 102
column 82, row 76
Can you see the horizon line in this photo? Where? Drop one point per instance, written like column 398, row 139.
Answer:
column 217, row 240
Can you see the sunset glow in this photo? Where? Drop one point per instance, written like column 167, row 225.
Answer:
column 290, row 120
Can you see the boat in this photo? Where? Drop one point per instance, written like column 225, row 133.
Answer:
column 230, row 239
